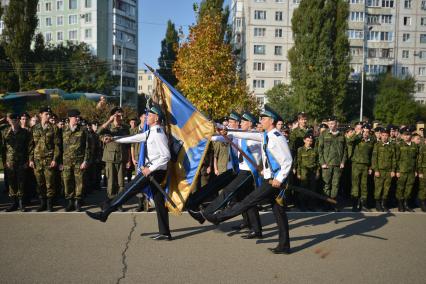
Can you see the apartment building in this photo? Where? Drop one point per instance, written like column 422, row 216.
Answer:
column 145, row 82
column 391, row 32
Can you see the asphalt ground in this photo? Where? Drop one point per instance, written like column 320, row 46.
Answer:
column 340, row 247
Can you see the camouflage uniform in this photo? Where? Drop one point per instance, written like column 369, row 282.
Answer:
column 115, row 156
column 46, row 148
column 76, row 150
column 383, row 161
column 361, row 162
column 406, row 165
column 16, row 146
column 421, row 165
column 296, row 139
column 307, row 169
column 332, row 151
column 221, row 153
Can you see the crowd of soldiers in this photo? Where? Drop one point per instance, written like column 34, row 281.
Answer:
column 49, row 158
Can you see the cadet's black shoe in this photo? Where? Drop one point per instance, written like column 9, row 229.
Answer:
column 384, row 207
column 363, row 206
column 423, row 205
column 49, row 205
column 240, row 227
column 12, row 207
column 42, row 206
column 140, row 204
column 21, row 205
column 355, row 205
column 252, row 235
column 100, row 216
column 401, row 207
column 161, row 237
column 78, row 205
column 70, row 206
column 120, row 209
column 278, row 250
column 407, row 206
column 379, row 206
column 197, row 216
column 210, row 217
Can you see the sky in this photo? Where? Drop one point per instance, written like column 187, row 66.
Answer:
column 153, row 17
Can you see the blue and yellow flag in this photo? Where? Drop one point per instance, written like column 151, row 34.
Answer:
column 186, row 124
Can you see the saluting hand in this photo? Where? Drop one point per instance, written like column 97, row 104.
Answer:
column 83, row 165
column 31, row 164
column 52, row 164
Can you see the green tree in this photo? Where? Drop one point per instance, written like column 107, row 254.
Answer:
column 8, row 79
column 395, row 103
column 167, row 57
column 206, row 70
column 282, row 100
column 320, row 56
column 20, row 20
column 213, row 8
column 352, row 102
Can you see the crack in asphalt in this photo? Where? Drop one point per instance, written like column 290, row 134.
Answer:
column 126, row 247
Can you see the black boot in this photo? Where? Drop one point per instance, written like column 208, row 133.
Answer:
column 140, row 204
column 379, row 206
column 49, row 205
column 423, row 205
column 101, row 215
column 363, row 205
column 42, row 206
column 407, row 206
column 21, row 205
column 70, row 206
column 401, row 207
column 78, row 203
column 384, row 207
column 355, row 204
column 14, row 206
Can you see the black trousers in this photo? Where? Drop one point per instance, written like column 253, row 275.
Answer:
column 135, row 186
column 209, row 189
column 264, row 192
column 241, row 186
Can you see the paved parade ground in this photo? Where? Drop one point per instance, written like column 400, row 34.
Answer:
column 327, row 248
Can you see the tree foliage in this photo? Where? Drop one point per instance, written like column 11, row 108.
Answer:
column 320, row 56
column 20, row 20
column 206, row 70
column 214, row 8
column 282, row 100
column 168, row 54
column 394, row 102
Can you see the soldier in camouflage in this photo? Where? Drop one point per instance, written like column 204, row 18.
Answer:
column 16, row 144
column 362, row 146
column 406, row 169
column 75, row 160
column 383, row 163
column 421, row 166
column 44, row 156
column 332, row 157
column 298, row 134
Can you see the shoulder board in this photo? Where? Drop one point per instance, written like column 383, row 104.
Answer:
column 277, row 133
column 159, row 130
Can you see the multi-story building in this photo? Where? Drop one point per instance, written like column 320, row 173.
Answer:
column 145, row 82
column 391, row 32
column 109, row 27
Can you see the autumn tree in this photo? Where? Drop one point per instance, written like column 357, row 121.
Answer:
column 206, row 70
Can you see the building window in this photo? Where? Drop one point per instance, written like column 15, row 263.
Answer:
column 386, row 19
column 88, row 33
column 72, row 35
column 278, row 32
column 258, row 66
column 88, row 18
column 278, row 16
column 48, row 22
column 149, row 77
column 386, row 36
column 277, row 67
column 60, row 20
column 278, row 50
column 60, row 36
column 48, row 7
column 387, row 3
column 88, row 3
column 404, row 70
column 297, row 2
column 356, row 1
column 72, row 19
column 373, row 3
column 420, row 88
column 357, row 16
column 423, row 21
column 279, row 1
column 422, row 54
column 422, row 71
column 259, row 15
column 355, row 34
column 405, row 37
column 373, row 36
column 277, row 82
column 259, row 1
column 38, row 7
column 405, row 54
column 422, row 38
column 48, row 36
column 72, row 4
column 423, row 6
column 356, row 51
column 407, row 21
column 387, row 52
column 373, row 19
column 259, row 49
column 259, row 32
column 407, row 4
column 238, row 22
column 59, row 5
column 258, row 83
